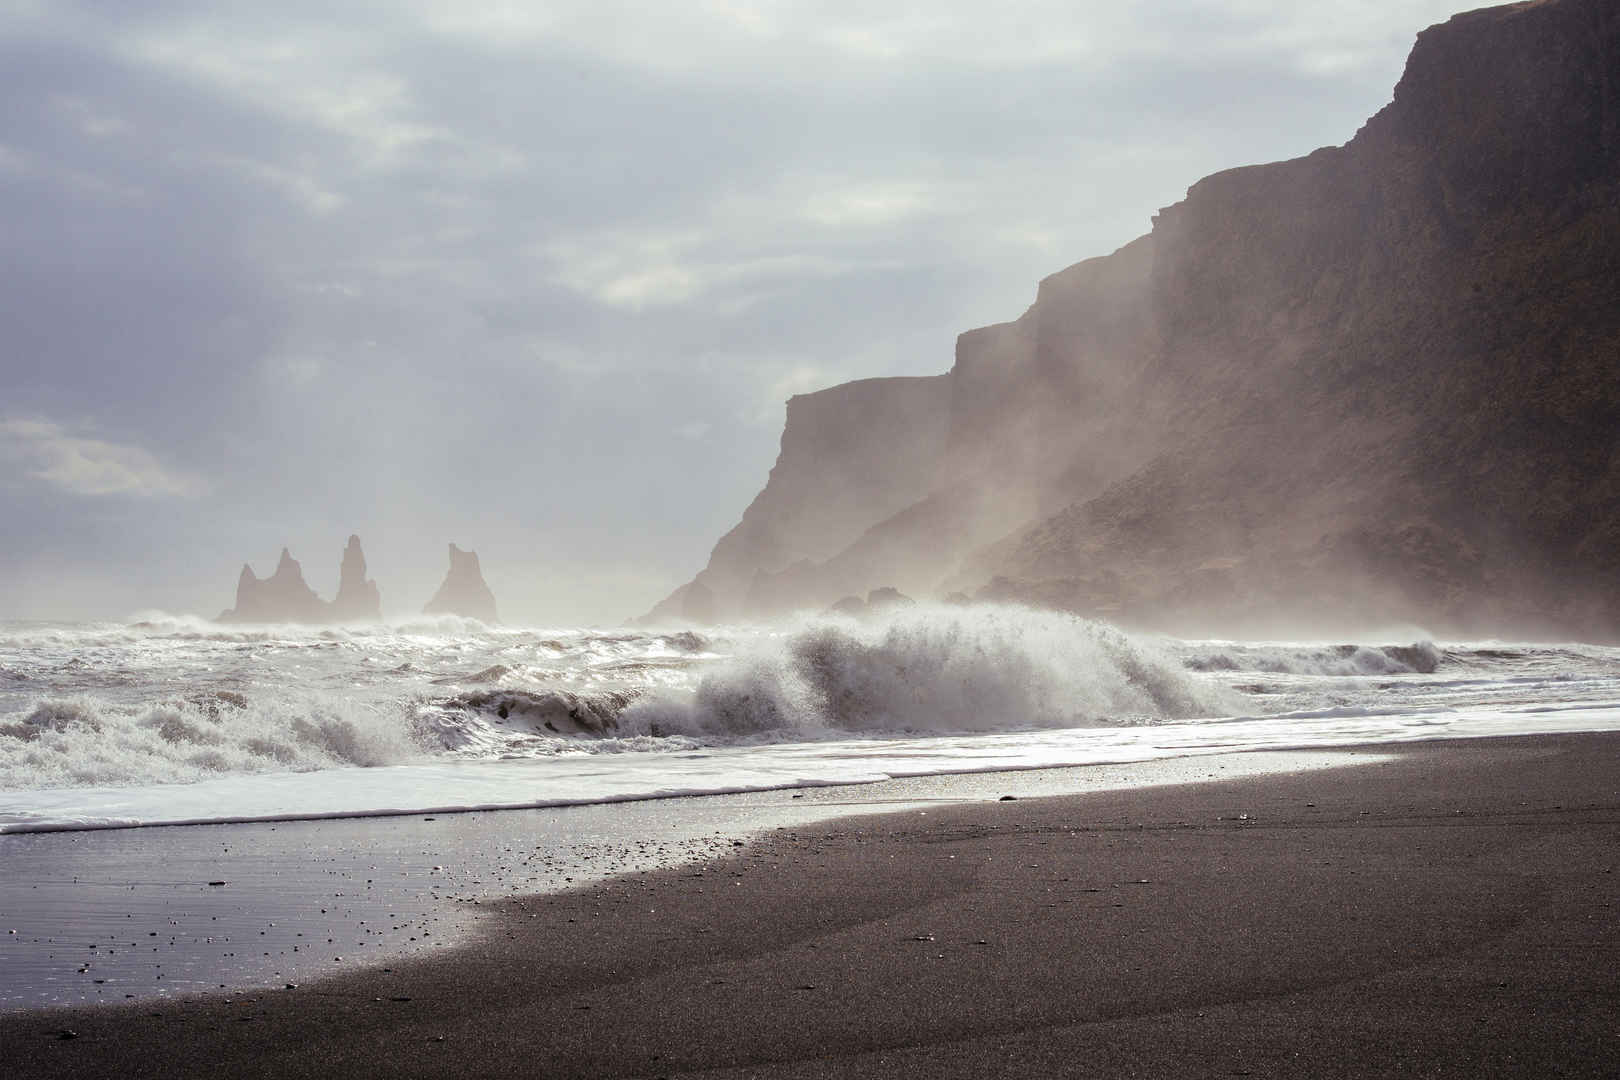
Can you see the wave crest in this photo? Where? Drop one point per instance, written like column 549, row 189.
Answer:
column 85, row 742
column 935, row 669
column 1421, row 657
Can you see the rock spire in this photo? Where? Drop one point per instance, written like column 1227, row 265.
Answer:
column 463, row 591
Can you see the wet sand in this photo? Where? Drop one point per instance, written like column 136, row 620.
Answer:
column 119, row 915
column 1443, row 909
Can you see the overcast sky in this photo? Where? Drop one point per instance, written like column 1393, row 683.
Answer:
column 537, row 278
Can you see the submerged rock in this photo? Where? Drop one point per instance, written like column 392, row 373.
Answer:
column 886, row 598
column 463, row 591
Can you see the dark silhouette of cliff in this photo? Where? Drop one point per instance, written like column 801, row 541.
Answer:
column 1378, row 382
column 463, row 591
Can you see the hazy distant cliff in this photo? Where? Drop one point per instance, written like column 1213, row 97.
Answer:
column 851, row 455
column 1378, row 382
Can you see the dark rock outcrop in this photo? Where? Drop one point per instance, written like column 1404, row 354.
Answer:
column 358, row 599
column 463, row 591
column 877, row 601
column 281, row 597
column 1378, row 382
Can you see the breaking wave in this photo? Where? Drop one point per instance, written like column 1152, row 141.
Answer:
column 324, row 698
column 924, row 670
column 1345, row 660
column 80, row 741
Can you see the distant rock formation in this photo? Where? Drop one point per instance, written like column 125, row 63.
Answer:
column 463, row 591
column 284, row 597
column 281, row 597
column 1376, row 384
column 358, row 599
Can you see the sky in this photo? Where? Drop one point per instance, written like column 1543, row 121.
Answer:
column 538, row 278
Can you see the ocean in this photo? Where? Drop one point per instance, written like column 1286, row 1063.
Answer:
column 173, row 720
column 322, row 767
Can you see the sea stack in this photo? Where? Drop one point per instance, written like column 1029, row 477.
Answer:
column 281, row 597
column 358, row 599
column 463, row 591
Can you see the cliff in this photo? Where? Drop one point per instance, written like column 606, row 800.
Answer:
column 1385, row 382
column 463, row 591
column 851, row 455
column 284, row 597
column 1378, row 382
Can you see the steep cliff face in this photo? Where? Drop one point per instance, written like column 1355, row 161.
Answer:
column 851, row 456
column 463, row 591
column 1378, row 382
column 1389, row 379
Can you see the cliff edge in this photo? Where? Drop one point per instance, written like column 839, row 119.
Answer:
column 1380, row 382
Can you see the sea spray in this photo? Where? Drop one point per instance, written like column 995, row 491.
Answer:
column 81, row 741
column 937, row 669
column 1420, row 657
column 174, row 720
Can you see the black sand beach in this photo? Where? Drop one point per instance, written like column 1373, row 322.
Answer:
column 1446, row 909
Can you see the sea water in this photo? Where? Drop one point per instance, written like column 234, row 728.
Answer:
column 166, row 720
column 309, row 732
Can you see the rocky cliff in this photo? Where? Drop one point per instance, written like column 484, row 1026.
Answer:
column 851, row 456
column 463, row 591
column 284, row 597
column 1380, row 382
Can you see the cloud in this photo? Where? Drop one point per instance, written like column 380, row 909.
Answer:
column 801, row 39
column 548, row 270
column 92, row 467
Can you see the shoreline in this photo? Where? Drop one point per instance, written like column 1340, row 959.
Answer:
column 241, row 906
column 1445, row 907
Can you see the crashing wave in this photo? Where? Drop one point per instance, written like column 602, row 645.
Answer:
column 82, row 741
column 559, row 712
column 929, row 669
column 1345, row 660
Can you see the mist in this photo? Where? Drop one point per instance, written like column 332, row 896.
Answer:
column 540, row 284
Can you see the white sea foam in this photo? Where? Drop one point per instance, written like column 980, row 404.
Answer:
column 81, row 742
column 936, row 670
column 1343, row 660
column 177, row 719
